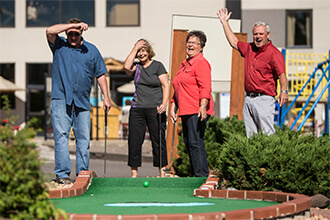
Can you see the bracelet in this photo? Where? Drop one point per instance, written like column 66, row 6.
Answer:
column 285, row 91
column 203, row 106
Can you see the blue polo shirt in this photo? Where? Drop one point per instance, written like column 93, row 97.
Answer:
column 73, row 71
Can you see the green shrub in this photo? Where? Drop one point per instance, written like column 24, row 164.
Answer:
column 23, row 193
column 216, row 133
column 182, row 164
column 286, row 161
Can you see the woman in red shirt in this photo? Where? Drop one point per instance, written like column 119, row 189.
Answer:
column 192, row 95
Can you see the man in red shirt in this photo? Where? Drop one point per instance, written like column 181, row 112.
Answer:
column 264, row 65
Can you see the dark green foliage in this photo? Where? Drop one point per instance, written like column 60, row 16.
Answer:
column 286, row 161
column 217, row 133
column 23, row 193
column 182, row 164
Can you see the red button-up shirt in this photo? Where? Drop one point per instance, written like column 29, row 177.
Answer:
column 262, row 67
column 191, row 84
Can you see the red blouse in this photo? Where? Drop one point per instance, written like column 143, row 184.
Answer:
column 191, row 84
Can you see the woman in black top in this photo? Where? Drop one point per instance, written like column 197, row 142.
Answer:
column 148, row 104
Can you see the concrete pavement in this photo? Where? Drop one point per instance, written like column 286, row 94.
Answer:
column 116, row 158
column 115, row 149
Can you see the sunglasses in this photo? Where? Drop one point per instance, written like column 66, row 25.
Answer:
column 73, row 33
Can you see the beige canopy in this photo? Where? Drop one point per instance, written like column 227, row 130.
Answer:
column 127, row 88
column 8, row 86
column 113, row 65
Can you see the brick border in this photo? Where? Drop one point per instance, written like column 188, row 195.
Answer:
column 291, row 203
column 79, row 187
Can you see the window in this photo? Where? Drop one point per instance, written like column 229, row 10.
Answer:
column 235, row 8
column 36, row 74
column 123, row 13
column 299, row 28
column 7, row 13
column 44, row 13
column 7, row 71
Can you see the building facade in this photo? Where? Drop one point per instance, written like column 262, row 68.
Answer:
column 115, row 25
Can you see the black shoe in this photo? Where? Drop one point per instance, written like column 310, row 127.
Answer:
column 66, row 181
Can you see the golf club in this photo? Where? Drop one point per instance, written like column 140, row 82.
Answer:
column 160, row 141
column 173, row 134
column 105, row 141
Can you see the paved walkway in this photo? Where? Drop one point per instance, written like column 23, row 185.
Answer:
column 115, row 149
column 116, row 158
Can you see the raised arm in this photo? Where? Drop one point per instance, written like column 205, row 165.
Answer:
column 224, row 17
column 52, row 31
column 129, row 67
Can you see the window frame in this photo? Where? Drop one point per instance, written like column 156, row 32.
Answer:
column 126, row 1
column 14, row 18
column 307, row 46
column 11, row 95
column 61, row 19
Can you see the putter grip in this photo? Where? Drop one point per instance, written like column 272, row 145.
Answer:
column 105, row 123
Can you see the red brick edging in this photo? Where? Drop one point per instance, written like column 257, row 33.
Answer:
column 79, row 187
column 290, row 203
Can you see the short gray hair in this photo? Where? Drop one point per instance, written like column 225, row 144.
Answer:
column 258, row 23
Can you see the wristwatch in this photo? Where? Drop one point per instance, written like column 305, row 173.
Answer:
column 286, row 91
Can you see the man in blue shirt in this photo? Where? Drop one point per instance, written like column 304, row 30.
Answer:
column 75, row 63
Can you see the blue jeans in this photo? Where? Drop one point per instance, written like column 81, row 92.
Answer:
column 63, row 118
column 193, row 133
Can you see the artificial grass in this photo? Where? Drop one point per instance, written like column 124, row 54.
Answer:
column 131, row 190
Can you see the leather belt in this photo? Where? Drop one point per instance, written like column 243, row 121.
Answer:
column 253, row 94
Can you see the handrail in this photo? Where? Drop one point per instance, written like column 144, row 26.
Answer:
column 319, row 66
column 315, row 103
column 327, row 86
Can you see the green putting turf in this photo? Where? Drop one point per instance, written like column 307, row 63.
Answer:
column 160, row 190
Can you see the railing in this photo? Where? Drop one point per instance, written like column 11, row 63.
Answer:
column 299, row 67
column 316, row 85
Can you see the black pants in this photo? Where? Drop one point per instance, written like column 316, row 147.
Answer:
column 139, row 118
column 193, row 133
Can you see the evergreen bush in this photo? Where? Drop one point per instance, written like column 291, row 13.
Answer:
column 216, row 133
column 182, row 165
column 23, row 193
column 286, row 161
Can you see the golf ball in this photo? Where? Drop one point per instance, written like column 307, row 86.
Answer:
column 145, row 183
